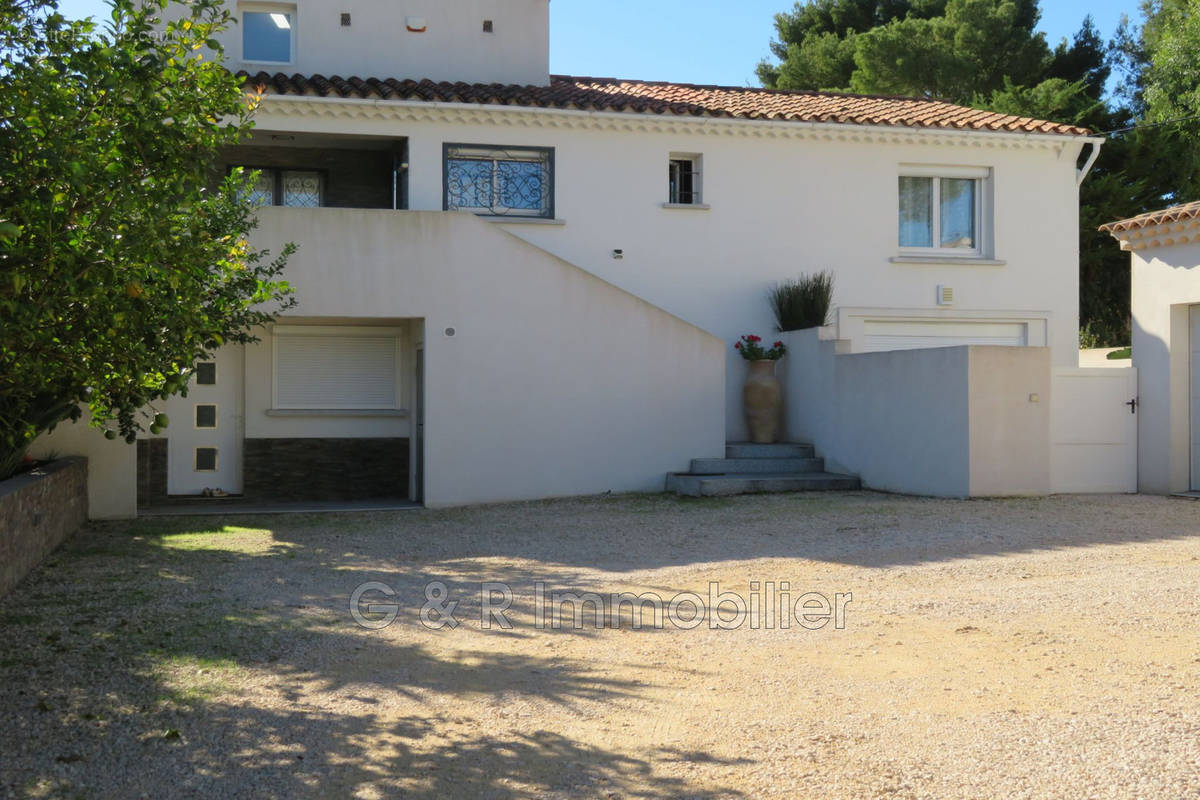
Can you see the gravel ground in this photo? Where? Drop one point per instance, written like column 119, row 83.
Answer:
column 1015, row 648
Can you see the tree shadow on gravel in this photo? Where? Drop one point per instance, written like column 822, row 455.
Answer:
column 629, row 533
column 155, row 659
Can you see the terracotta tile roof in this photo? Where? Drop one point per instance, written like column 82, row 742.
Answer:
column 612, row 94
column 1154, row 218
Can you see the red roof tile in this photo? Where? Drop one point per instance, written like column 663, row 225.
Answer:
column 612, row 94
column 1154, row 218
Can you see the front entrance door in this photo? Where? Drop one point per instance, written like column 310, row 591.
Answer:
column 1194, row 327
column 204, row 439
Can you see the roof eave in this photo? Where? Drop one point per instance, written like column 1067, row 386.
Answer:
column 703, row 120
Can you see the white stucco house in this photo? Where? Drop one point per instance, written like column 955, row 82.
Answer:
column 1165, row 254
column 518, row 285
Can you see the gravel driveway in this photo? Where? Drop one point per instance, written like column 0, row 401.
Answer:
column 1015, row 648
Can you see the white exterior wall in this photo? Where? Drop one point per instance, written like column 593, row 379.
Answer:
column 378, row 44
column 553, row 384
column 947, row 422
column 1166, row 281
column 780, row 206
column 112, row 467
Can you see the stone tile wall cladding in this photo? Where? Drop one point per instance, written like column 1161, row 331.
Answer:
column 325, row 469
column 38, row 511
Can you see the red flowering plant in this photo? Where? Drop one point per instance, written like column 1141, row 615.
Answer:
column 751, row 349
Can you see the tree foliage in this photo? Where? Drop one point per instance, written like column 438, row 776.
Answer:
column 973, row 47
column 1169, row 82
column 120, row 265
column 988, row 54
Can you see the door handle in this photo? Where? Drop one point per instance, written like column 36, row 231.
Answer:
column 1133, row 404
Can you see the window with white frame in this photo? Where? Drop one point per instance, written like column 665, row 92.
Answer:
column 683, row 180
column 268, row 33
column 323, row 367
column 500, row 181
column 943, row 210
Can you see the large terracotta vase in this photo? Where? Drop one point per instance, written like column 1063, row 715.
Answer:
column 763, row 399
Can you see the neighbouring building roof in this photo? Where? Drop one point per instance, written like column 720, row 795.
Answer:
column 648, row 97
column 1153, row 219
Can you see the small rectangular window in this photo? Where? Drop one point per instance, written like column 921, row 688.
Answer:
column 206, row 416
column 268, row 34
column 206, row 459
column 940, row 213
column 502, row 181
column 206, row 373
column 683, row 181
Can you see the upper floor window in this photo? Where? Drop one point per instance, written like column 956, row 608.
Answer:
column 288, row 187
column 268, row 33
column 683, row 180
column 503, row 181
column 942, row 210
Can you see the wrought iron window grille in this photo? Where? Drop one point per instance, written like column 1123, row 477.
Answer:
column 499, row 181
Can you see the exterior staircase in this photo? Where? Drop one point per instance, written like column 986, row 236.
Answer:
column 759, row 469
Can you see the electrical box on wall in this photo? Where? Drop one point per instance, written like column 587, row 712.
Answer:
column 945, row 295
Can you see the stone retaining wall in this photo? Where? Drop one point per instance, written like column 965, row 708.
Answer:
column 38, row 510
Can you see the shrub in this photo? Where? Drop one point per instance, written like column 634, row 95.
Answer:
column 802, row 303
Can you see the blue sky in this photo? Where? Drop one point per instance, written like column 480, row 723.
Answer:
column 699, row 41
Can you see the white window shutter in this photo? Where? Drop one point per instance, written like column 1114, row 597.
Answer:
column 327, row 371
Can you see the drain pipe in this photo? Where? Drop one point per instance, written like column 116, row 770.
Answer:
column 1087, row 167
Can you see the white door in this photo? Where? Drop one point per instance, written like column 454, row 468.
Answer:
column 1194, row 313
column 1094, row 430
column 204, row 439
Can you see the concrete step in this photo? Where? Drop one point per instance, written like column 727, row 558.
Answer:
column 782, row 450
column 758, row 483
column 718, row 466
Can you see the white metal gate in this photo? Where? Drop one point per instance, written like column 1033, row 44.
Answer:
column 1093, row 426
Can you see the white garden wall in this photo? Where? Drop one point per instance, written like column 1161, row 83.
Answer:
column 951, row 422
column 111, row 467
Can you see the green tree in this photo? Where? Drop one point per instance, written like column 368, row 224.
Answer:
column 816, row 41
column 1169, row 83
column 120, row 264
column 974, row 47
